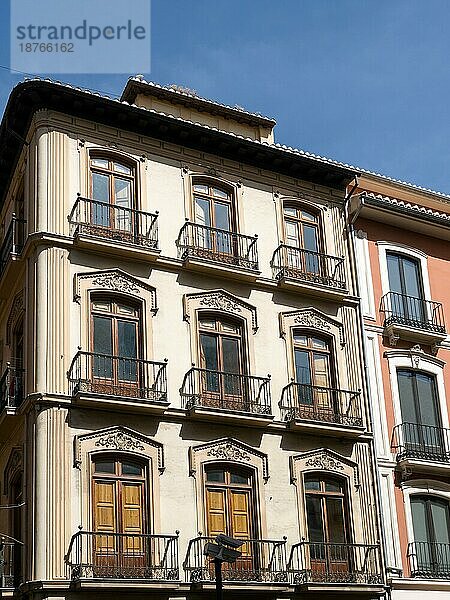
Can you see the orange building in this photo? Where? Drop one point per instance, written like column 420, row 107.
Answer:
column 402, row 256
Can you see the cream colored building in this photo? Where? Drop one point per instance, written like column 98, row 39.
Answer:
column 181, row 348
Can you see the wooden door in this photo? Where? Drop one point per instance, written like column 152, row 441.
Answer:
column 105, row 546
column 229, row 510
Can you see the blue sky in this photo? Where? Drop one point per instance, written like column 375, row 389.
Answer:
column 363, row 81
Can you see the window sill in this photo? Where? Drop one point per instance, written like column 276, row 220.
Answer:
column 327, row 429
column 203, row 413
column 213, row 267
column 130, row 404
column 116, row 247
column 312, row 288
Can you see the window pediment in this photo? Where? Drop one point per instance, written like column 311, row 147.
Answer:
column 311, row 318
column 221, row 301
column 119, row 439
column 230, row 450
column 114, row 280
column 323, row 460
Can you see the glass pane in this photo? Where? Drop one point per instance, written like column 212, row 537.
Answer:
column 406, row 392
column 123, row 202
column 333, row 486
column 418, row 509
column 310, row 243
column 122, row 169
column 318, row 343
column 312, row 484
column 208, row 324
column 230, row 327
column 335, row 518
column 127, row 350
column 239, row 478
column 222, row 221
column 393, row 263
column 290, row 211
column 199, row 187
column 202, row 212
column 302, row 367
column 209, row 352
column 123, row 309
column 100, row 193
column 429, row 412
column 300, row 339
column 215, row 475
column 411, row 272
column 102, row 345
column 231, row 364
column 314, row 519
column 129, row 468
column 105, row 466
column 306, row 216
column 218, row 193
column 101, row 305
column 100, row 162
column 321, row 371
column 441, row 520
column 292, row 236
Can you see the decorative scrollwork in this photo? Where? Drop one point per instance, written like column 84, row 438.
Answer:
column 114, row 281
column 228, row 451
column 119, row 441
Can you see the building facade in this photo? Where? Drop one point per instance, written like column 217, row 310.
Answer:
column 182, row 350
column 401, row 241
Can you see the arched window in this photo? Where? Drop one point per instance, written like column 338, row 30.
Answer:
column 120, row 517
column 222, row 356
column 430, row 550
column 302, row 238
column 112, row 193
column 115, row 345
column 328, row 524
column 314, row 375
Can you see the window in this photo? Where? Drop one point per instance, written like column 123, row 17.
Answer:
column 115, row 345
column 230, row 508
column 222, row 357
column 214, row 213
column 313, row 373
column 301, row 230
column 431, row 524
column 405, row 283
column 421, row 422
column 326, row 512
column 112, row 193
column 119, row 507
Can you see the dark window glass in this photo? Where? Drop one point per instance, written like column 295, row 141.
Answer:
column 129, row 468
column 105, row 466
column 215, row 475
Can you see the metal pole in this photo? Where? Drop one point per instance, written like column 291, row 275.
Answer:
column 218, row 571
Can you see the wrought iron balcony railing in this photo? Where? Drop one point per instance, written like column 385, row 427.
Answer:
column 262, row 561
column 11, row 387
column 318, row 562
column 13, row 241
column 9, row 559
column 429, row 560
column 114, row 222
column 321, row 404
column 217, row 245
column 95, row 555
column 94, row 373
column 299, row 264
column 408, row 311
column 421, row 442
column 226, row 391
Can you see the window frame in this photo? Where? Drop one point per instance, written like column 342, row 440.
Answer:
column 392, row 248
column 219, row 334
column 329, row 340
column 224, row 186
column 299, row 207
column 109, row 171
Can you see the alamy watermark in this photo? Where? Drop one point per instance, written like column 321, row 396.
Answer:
column 82, row 36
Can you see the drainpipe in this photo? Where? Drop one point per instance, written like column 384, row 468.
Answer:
column 349, row 227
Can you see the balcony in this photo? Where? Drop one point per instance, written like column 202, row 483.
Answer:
column 321, row 409
column 205, row 248
column 114, row 228
column 318, row 565
column 119, row 558
column 262, row 562
column 9, row 557
column 429, row 560
column 11, row 248
column 312, row 272
column 209, row 394
column 11, row 389
column 118, row 382
column 415, row 444
column 413, row 319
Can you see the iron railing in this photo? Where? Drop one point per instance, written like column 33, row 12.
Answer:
column 226, row 391
column 217, row 245
column 13, row 241
column 400, row 309
column 422, row 442
column 318, row 562
column 290, row 262
column 98, row 555
column 322, row 404
column 94, row 373
column 9, row 577
column 429, row 560
column 11, row 387
column 114, row 222
column 261, row 561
